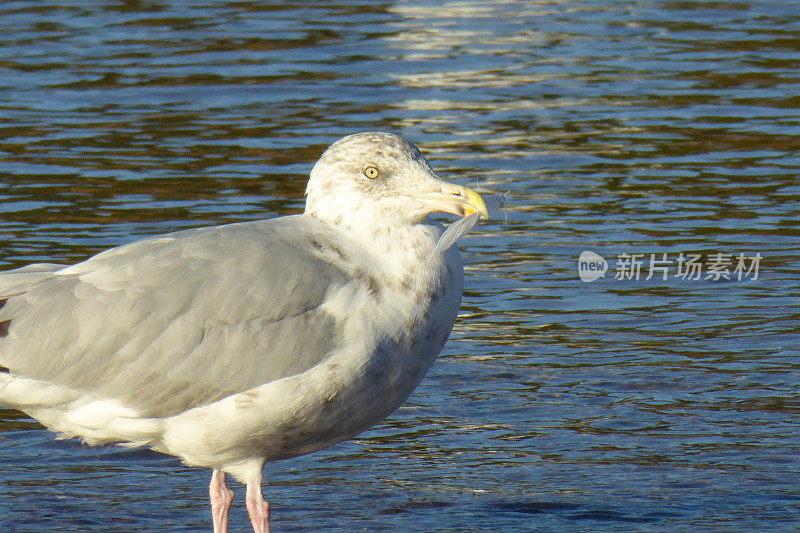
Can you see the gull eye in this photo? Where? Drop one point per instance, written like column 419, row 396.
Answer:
column 371, row 171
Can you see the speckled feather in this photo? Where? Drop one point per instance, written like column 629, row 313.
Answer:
column 233, row 345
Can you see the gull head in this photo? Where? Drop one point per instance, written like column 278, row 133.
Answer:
column 382, row 179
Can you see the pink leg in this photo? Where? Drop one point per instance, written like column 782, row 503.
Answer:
column 257, row 507
column 221, row 498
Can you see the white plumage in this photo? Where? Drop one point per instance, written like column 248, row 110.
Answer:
column 234, row 345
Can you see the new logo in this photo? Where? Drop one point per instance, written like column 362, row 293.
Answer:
column 591, row 266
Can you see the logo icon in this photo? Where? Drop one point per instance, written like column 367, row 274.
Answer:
column 591, row 266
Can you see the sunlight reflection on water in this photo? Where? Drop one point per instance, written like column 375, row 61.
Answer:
column 661, row 127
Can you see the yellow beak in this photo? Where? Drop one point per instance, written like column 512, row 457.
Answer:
column 455, row 199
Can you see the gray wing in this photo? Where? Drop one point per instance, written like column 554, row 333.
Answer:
column 177, row 321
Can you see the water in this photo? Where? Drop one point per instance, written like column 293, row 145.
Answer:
column 558, row 405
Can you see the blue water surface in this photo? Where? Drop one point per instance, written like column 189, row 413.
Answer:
column 620, row 404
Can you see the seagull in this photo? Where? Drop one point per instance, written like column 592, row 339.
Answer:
column 233, row 345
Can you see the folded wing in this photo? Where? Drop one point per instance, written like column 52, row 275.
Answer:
column 177, row 321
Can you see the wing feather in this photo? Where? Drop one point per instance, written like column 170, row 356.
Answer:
column 181, row 320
